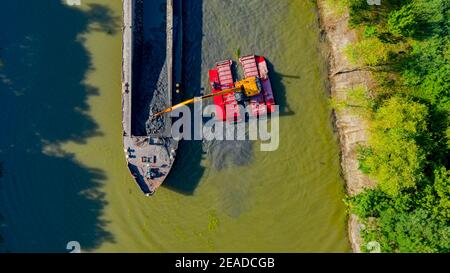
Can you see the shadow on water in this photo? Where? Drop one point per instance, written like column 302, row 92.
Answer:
column 279, row 90
column 2, row 219
column 48, row 198
column 187, row 170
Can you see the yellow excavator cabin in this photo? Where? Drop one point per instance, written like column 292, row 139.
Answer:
column 251, row 86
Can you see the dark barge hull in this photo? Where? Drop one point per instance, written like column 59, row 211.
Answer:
column 149, row 154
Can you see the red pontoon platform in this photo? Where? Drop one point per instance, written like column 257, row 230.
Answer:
column 256, row 66
column 221, row 78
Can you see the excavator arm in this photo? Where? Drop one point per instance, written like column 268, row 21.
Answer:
column 189, row 101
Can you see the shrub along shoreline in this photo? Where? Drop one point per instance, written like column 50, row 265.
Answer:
column 405, row 46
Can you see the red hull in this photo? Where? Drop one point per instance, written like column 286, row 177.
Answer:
column 221, row 78
column 266, row 85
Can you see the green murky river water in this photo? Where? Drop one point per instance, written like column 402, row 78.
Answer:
column 65, row 177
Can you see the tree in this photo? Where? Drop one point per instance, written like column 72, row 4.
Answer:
column 416, row 231
column 442, row 187
column 403, row 22
column 400, row 223
column 397, row 160
column 427, row 72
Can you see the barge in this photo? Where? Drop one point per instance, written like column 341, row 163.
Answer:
column 150, row 71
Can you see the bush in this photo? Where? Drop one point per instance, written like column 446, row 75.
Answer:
column 370, row 32
column 369, row 52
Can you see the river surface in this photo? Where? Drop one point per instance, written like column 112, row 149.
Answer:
column 64, row 172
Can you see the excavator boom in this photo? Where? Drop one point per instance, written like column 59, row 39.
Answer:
column 189, row 101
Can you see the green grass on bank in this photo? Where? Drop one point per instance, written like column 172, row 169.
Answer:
column 406, row 44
